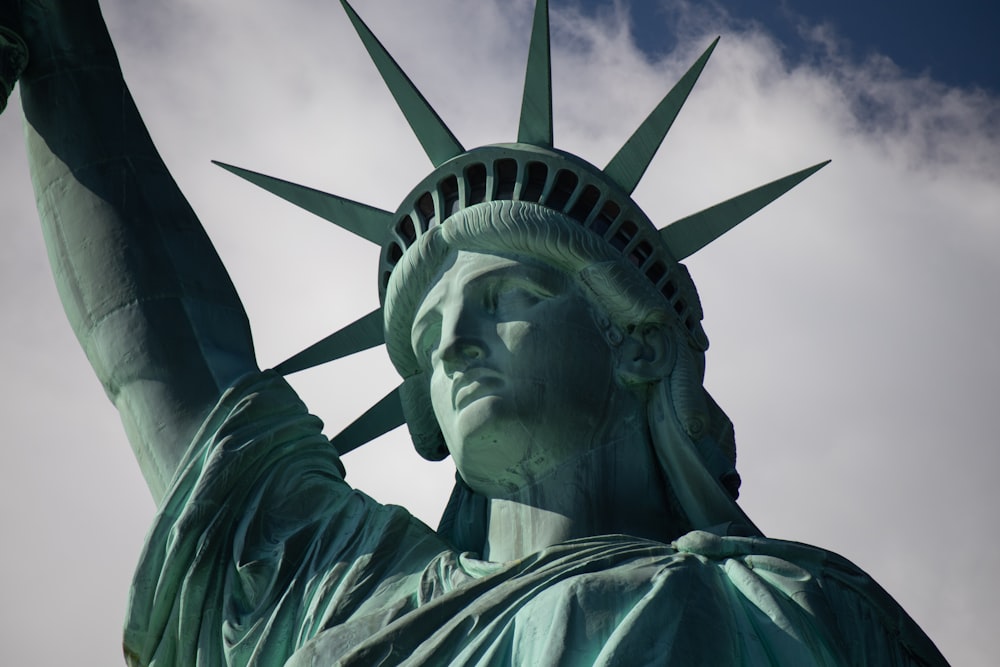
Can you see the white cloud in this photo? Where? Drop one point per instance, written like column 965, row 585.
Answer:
column 853, row 322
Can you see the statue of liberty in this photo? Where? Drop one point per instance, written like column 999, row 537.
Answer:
column 548, row 339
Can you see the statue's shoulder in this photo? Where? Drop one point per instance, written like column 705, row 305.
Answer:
column 830, row 588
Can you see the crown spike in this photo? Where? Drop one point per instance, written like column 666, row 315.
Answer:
column 629, row 164
column 438, row 141
column 536, row 105
column 368, row 222
column 360, row 335
column 379, row 419
column 689, row 235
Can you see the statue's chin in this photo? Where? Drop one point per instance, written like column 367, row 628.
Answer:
column 486, row 440
column 502, row 448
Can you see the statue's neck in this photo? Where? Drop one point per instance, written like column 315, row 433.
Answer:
column 615, row 488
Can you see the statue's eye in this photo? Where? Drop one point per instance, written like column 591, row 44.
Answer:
column 513, row 299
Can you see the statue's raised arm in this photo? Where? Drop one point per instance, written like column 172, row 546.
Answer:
column 146, row 294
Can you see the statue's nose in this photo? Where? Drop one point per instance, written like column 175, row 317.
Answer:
column 459, row 353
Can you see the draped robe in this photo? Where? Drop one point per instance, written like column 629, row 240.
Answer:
column 262, row 554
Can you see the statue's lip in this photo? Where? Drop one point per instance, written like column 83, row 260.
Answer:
column 470, row 384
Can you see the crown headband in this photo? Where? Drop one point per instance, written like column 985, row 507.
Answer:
column 529, row 170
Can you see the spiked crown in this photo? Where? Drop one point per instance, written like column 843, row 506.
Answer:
column 531, row 170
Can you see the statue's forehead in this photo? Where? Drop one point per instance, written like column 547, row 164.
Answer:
column 465, row 270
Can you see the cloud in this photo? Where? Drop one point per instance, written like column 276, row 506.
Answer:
column 853, row 322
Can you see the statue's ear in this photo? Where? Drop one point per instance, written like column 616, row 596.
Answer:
column 646, row 354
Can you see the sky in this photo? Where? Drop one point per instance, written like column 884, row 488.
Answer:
column 953, row 43
column 854, row 324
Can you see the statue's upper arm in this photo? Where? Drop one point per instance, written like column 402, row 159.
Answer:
column 142, row 286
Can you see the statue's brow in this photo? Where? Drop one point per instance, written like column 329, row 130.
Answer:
column 549, row 278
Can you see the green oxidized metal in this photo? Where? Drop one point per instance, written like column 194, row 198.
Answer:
column 595, row 520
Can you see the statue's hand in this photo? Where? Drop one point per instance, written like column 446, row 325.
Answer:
column 33, row 29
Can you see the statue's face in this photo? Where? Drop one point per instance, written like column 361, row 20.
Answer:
column 520, row 371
